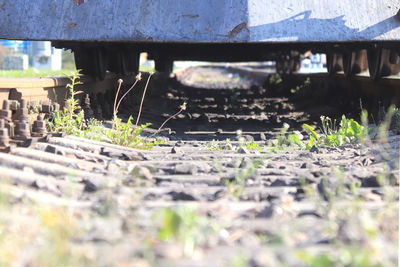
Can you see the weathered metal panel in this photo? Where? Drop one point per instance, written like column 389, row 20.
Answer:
column 200, row 20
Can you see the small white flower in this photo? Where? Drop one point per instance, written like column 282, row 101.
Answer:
column 299, row 135
column 183, row 106
column 242, row 140
column 286, row 126
column 239, row 132
column 224, row 233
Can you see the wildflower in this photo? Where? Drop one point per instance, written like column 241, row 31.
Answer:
column 183, row 106
column 286, row 126
column 299, row 135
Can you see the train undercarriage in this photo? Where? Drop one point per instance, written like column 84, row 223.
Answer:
column 96, row 58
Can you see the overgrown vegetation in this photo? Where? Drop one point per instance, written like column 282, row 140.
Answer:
column 333, row 134
column 126, row 134
column 348, row 131
column 71, row 121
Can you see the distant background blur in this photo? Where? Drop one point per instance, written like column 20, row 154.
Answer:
column 23, row 55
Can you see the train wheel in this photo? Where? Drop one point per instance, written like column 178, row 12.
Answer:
column 378, row 63
column 118, row 62
column 82, row 61
column 91, row 61
column 334, row 62
column 100, row 63
column 352, row 63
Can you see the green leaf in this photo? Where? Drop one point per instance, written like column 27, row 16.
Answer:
column 294, row 139
column 311, row 131
column 171, row 224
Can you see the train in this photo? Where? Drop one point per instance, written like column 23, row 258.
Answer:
column 110, row 35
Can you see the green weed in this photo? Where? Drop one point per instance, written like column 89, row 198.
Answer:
column 253, row 146
column 286, row 140
column 275, row 79
column 216, row 145
column 237, row 185
column 348, row 131
column 185, row 226
column 70, row 120
column 298, row 88
column 242, row 144
column 384, row 127
column 344, row 256
column 396, row 120
column 126, row 134
column 239, row 260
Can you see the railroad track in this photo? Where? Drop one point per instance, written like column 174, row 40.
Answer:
column 235, row 204
column 356, row 85
column 52, row 88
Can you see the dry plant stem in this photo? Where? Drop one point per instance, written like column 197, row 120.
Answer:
column 116, row 97
column 173, row 116
column 119, row 102
column 141, row 103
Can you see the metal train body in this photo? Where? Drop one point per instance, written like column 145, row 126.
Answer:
column 109, row 35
